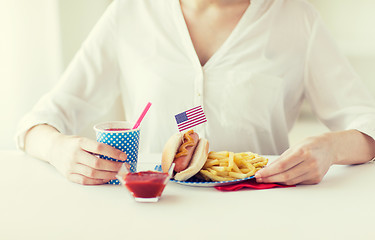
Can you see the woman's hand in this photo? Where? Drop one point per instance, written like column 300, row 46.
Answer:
column 309, row 161
column 75, row 157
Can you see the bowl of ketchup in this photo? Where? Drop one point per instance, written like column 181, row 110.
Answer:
column 144, row 186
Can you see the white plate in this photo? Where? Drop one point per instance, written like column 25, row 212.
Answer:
column 211, row 184
column 198, row 183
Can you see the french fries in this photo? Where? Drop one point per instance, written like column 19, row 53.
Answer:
column 226, row 166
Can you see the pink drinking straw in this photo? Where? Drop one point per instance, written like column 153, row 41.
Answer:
column 142, row 115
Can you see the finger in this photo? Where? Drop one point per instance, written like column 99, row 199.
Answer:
column 310, row 181
column 291, row 176
column 95, row 162
column 93, row 173
column 306, row 179
column 282, row 164
column 312, row 176
column 102, row 148
column 303, row 179
column 80, row 179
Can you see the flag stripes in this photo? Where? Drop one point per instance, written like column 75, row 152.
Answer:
column 190, row 118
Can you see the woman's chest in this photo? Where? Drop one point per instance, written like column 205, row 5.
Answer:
column 208, row 30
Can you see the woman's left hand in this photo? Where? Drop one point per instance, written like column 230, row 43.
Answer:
column 308, row 161
column 305, row 163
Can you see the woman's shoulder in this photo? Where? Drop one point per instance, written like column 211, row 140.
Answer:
column 300, row 7
column 130, row 9
column 294, row 12
column 139, row 3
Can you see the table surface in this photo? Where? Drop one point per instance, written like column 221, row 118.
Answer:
column 38, row 203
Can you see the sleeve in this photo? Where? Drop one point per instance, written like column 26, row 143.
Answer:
column 336, row 93
column 87, row 88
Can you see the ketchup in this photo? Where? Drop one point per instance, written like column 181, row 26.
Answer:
column 146, row 184
column 117, row 129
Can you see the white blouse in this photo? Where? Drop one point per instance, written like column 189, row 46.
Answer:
column 251, row 89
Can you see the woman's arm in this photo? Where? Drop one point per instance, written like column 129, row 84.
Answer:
column 353, row 147
column 80, row 96
column 308, row 161
column 82, row 93
column 341, row 101
column 39, row 140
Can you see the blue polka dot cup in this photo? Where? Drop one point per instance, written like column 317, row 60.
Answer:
column 120, row 135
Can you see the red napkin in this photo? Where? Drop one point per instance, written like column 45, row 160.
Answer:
column 252, row 184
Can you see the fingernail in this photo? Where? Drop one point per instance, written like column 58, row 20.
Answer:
column 259, row 180
column 258, row 175
column 123, row 156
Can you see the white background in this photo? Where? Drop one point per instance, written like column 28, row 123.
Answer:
column 38, row 38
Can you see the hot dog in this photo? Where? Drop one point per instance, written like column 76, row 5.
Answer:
column 187, row 151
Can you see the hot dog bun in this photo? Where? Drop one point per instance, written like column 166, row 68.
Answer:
column 199, row 156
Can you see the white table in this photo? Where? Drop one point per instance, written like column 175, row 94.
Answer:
column 38, row 203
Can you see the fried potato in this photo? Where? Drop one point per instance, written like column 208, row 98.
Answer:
column 226, row 166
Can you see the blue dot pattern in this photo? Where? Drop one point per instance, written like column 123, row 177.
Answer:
column 127, row 142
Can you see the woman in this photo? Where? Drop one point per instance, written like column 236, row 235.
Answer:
column 249, row 64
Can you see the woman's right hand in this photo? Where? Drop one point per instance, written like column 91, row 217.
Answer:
column 77, row 158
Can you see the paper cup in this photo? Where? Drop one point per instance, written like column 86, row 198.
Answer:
column 119, row 134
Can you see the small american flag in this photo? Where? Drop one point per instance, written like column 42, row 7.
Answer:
column 190, row 118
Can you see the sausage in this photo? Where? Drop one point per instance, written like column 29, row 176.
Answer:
column 186, row 151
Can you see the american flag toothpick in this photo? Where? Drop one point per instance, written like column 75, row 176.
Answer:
column 190, row 118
